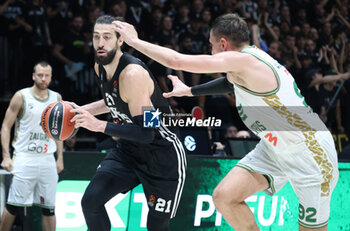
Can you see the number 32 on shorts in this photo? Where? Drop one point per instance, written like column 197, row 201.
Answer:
column 163, row 205
column 307, row 214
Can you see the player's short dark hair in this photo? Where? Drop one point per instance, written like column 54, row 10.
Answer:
column 232, row 27
column 108, row 19
column 41, row 63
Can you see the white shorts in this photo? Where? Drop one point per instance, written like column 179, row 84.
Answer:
column 298, row 165
column 34, row 180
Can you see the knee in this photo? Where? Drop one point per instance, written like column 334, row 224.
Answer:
column 223, row 197
column 89, row 201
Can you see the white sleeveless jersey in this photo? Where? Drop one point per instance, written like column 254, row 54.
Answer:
column 29, row 136
column 280, row 117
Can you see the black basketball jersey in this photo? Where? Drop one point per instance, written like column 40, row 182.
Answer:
column 119, row 109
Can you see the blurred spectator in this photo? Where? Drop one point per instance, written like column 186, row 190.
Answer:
column 71, row 50
column 182, row 20
column 250, row 9
column 59, row 15
column 198, row 40
column 231, row 132
column 206, row 21
column 37, row 40
column 243, row 134
column 11, row 45
column 315, row 96
column 326, row 34
column 118, row 8
column 152, row 26
column 166, row 34
column 275, row 51
column 197, row 8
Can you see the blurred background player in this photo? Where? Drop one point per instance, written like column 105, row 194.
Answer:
column 33, row 166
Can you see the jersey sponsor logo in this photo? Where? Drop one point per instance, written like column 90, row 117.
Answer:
column 38, row 136
column 257, row 127
column 33, row 147
column 272, row 139
column 151, row 118
column 117, row 115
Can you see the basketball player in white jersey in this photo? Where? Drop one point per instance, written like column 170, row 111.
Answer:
column 33, row 165
column 295, row 145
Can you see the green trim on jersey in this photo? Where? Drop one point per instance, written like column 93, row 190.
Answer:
column 268, row 176
column 268, row 93
column 19, row 117
column 40, row 100
column 59, row 97
column 313, row 226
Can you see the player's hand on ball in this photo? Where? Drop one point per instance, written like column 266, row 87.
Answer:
column 179, row 88
column 84, row 119
column 72, row 103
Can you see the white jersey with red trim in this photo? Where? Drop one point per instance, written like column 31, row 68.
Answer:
column 29, row 136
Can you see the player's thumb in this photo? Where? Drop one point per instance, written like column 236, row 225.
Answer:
column 173, row 78
column 167, row 94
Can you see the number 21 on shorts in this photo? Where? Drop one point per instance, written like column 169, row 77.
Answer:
column 163, row 205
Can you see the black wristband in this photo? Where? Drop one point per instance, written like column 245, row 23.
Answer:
column 218, row 86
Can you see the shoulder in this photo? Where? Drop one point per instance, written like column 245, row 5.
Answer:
column 17, row 99
column 134, row 72
column 55, row 93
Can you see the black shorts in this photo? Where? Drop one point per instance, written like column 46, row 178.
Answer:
column 160, row 170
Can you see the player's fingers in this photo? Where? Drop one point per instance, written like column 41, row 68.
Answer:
column 173, row 78
column 73, row 104
column 167, row 94
column 77, row 110
column 76, row 117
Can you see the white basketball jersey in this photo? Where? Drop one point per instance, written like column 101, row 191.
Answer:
column 280, row 117
column 29, row 136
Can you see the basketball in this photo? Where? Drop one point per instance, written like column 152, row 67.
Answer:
column 55, row 121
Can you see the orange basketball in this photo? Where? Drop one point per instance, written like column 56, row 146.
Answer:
column 55, row 121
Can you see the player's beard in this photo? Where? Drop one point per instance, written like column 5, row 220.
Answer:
column 41, row 87
column 105, row 60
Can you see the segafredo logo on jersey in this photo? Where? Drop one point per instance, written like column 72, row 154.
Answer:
column 155, row 118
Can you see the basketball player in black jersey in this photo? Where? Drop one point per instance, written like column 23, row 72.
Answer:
column 153, row 157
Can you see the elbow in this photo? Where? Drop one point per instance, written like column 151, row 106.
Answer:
column 175, row 61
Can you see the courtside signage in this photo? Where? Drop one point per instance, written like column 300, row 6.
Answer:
column 196, row 210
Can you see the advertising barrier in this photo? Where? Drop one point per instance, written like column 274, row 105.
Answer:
column 196, row 210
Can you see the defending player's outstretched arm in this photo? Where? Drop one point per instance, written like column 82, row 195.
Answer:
column 219, row 63
column 215, row 87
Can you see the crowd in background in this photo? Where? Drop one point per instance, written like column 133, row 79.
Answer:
column 309, row 37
